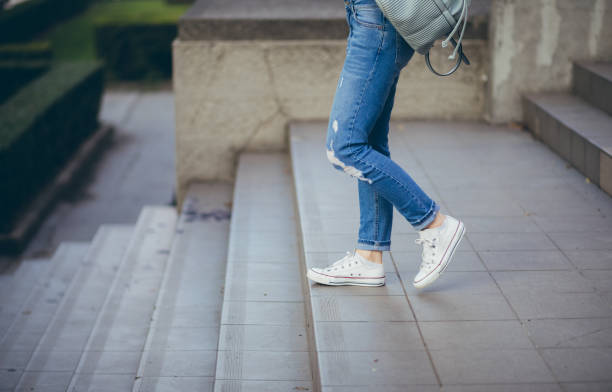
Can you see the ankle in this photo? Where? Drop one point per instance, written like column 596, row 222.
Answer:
column 374, row 256
column 437, row 222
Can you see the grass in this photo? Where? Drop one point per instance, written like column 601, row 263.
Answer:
column 74, row 39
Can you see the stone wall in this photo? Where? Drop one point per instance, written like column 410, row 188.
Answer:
column 533, row 44
column 233, row 96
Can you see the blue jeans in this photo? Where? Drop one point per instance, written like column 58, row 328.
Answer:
column 357, row 134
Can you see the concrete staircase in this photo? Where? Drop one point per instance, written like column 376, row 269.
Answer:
column 578, row 126
column 199, row 302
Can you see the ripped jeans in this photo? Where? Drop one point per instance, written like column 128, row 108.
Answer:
column 357, row 134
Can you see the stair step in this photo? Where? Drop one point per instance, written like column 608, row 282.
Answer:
column 593, row 83
column 20, row 338
column 180, row 348
column 16, row 284
column 361, row 337
column 263, row 334
column 56, row 354
column 577, row 131
column 115, row 345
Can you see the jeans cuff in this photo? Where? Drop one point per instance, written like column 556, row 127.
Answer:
column 375, row 246
column 429, row 217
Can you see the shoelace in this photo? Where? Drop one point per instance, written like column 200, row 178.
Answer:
column 342, row 260
column 429, row 246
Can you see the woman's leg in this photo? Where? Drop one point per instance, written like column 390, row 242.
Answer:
column 369, row 74
column 376, row 212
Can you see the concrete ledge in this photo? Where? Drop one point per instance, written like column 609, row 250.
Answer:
column 34, row 214
column 285, row 20
column 234, row 96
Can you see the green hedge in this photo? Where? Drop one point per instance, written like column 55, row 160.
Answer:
column 25, row 20
column 41, row 126
column 16, row 74
column 136, row 51
column 21, row 63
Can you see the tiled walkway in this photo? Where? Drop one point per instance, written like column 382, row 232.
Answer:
column 527, row 300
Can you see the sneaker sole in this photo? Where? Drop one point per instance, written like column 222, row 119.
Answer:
column 444, row 264
column 331, row 281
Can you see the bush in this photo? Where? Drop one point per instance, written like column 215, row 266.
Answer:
column 21, row 63
column 29, row 18
column 16, row 74
column 36, row 50
column 136, row 51
column 41, row 126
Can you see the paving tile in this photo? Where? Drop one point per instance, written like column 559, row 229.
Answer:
column 9, row 379
column 257, row 248
column 263, row 338
column 102, row 382
column 475, row 335
column 525, row 260
column 180, row 338
column 514, row 241
column 264, row 313
column 54, row 361
column 583, row 240
column 539, row 387
column 541, row 305
column 44, row 381
column 202, row 315
column 485, row 208
column 554, row 224
column 465, row 306
column 579, row 364
column 588, row 387
column 184, row 363
column 263, row 290
column 119, row 338
column 176, row 384
column 14, row 359
column 602, row 280
column 368, row 336
column 262, row 365
column 590, row 259
column 385, row 387
column 375, row 368
column 110, row 362
column 457, row 283
column 500, row 224
column 565, row 333
column 490, row 366
column 463, row 260
column 263, row 271
column 543, row 281
column 361, row 308
column 257, row 386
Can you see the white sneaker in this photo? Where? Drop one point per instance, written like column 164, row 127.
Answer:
column 352, row 269
column 439, row 245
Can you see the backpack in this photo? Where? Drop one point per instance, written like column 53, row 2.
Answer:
column 421, row 22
